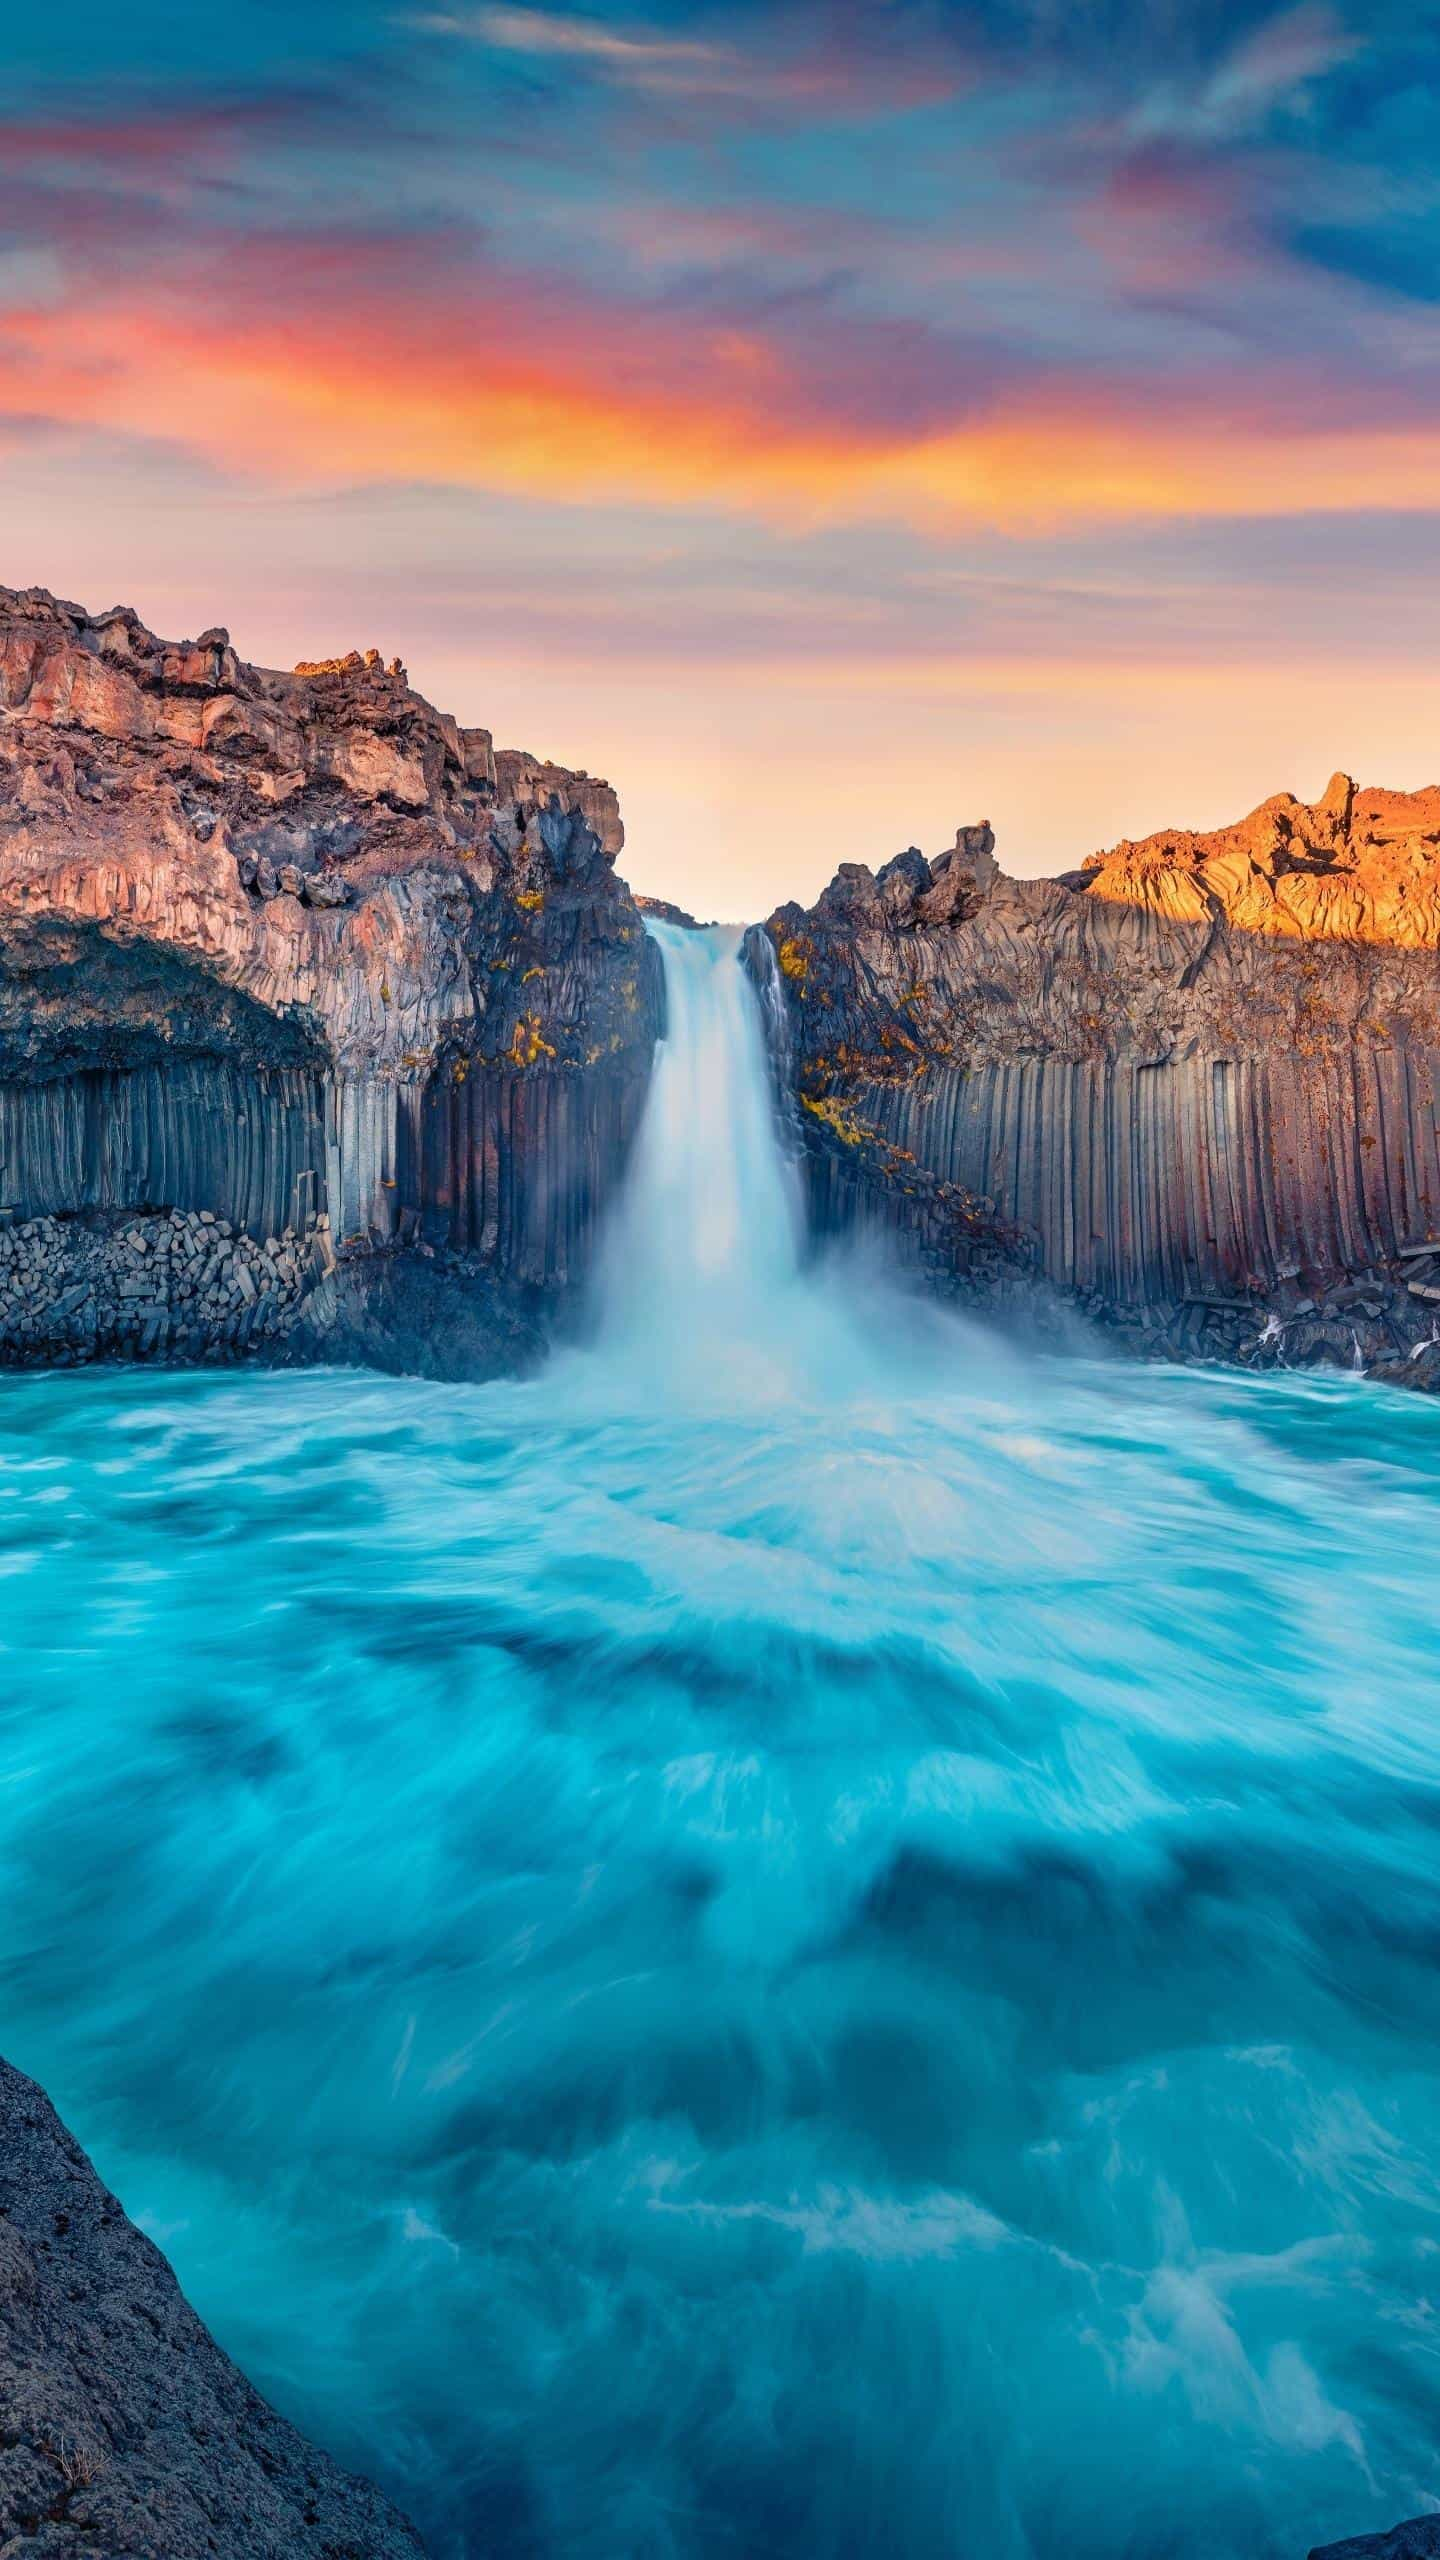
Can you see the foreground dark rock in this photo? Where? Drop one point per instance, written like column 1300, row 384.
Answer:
column 667, row 912
column 124, row 2431
column 1417, row 2540
column 1193, row 1083
column 298, row 955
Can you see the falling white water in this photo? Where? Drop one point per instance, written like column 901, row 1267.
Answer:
column 702, row 1268
column 706, row 1298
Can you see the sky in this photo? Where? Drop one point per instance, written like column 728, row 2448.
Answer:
column 832, row 420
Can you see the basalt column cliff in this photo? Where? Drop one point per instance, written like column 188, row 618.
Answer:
column 1191, row 1085
column 323, row 1024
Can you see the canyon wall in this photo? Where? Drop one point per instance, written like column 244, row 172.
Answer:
column 325, row 1027
column 1194, row 1081
column 299, row 981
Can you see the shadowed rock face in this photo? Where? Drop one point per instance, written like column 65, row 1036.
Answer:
column 1417, row 2540
column 1202, row 1068
column 125, row 2430
column 299, row 951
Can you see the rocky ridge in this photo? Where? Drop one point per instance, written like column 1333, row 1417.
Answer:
column 1190, row 1086
column 300, row 951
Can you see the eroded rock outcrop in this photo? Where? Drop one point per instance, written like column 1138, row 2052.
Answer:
column 299, row 951
column 125, row 2431
column 1196, row 1077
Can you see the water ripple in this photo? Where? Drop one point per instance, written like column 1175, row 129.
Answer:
column 829, row 1977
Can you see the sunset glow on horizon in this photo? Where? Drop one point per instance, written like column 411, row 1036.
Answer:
column 833, row 422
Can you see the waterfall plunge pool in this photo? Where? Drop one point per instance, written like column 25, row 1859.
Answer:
column 799, row 1935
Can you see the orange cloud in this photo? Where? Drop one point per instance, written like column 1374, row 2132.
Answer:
column 514, row 395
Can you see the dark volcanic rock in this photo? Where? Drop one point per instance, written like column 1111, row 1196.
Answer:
column 667, row 911
column 1196, row 1078
column 1417, row 2540
column 297, row 948
column 125, row 2434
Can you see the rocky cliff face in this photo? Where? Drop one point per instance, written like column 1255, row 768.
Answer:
column 125, row 2431
column 322, row 1022
column 1194, row 1080
column 325, row 1026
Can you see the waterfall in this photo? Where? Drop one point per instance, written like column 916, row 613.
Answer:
column 702, row 1263
column 705, row 1299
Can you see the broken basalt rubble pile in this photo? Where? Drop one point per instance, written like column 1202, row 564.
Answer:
column 1190, row 1087
column 182, row 1284
column 299, row 954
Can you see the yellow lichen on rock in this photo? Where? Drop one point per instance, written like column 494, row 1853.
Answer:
column 352, row 664
column 529, row 1045
column 837, row 1116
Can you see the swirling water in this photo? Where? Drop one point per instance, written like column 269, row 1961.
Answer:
column 806, row 1933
